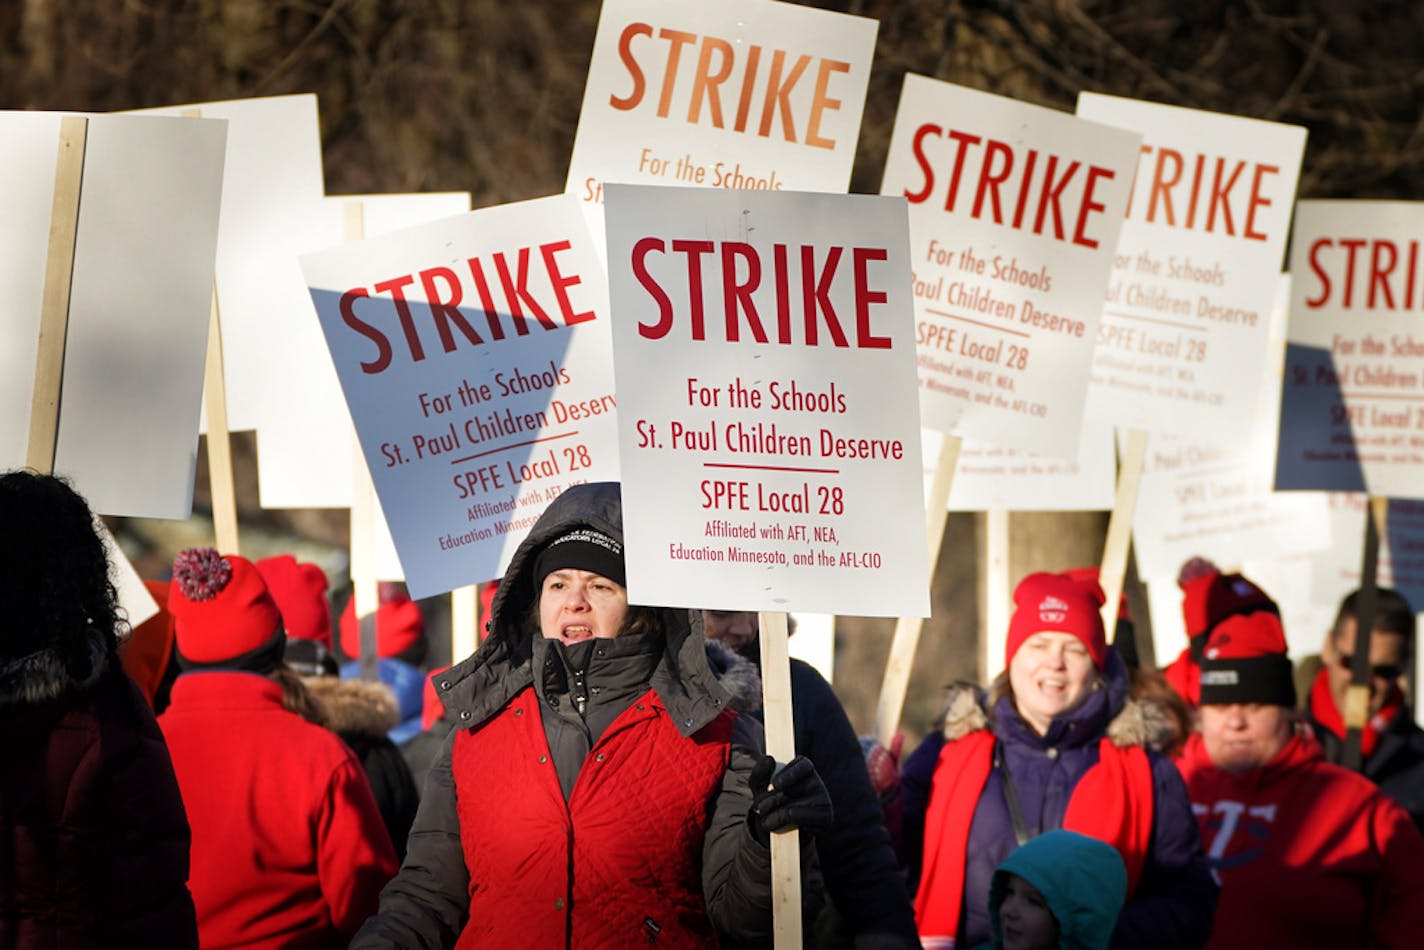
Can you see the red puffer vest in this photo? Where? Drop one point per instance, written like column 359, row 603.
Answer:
column 619, row 864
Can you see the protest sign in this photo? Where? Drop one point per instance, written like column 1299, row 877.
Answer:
column 1401, row 554
column 137, row 311
column 1352, row 417
column 768, row 423
column 272, row 192
column 1183, row 336
column 737, row 94
column 1213, row 499
column 994, row 477
column 304, row 453
column 474, row 356
column 1014, row 216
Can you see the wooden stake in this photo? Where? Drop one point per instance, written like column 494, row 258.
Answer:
column 363, row 510
column 1357, row 697
column 54, row 305
column 1119, row 537
column 221, row 484
column 781, row 746
column 994, row 632
column 464, row 622
column 907, row 629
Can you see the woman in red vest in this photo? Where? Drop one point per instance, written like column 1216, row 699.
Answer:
column 1062, row 746
column 596, row 790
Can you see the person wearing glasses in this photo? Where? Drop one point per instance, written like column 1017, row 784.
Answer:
column 1393, row 745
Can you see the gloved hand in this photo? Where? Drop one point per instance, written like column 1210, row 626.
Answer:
column 883, row 765
column 796, row 798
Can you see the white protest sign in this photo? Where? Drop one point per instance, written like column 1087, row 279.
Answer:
column 992, row 477
column 474, row 355
column 1401, row 553
column 1214, row 498
column 1014, row 215
column 734, row 94
column 138, row 308
column 271, row 202
column 768, row 421
column 1183, row 337
column 304, row 453
column 1352, row 417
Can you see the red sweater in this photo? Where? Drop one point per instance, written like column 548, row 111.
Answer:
column 288, row 846
column 1307, row 854
column 619, row 864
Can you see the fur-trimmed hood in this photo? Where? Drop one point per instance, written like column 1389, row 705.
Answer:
column 1140, row 722
column 737, row 675
column 42, row 676
column 356, row 707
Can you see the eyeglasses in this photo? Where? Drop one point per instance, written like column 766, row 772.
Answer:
column 1385, row 671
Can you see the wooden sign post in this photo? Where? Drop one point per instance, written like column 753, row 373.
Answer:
column 906, row 640
column 54, row 312
column 1113, row 570
column 781, row 746
column 1357, row 697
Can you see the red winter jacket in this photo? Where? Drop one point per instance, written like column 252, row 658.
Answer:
column 288, row 847
column 590, row 874
column 1307, row 854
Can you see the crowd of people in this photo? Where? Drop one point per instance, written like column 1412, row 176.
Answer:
column 594, row 774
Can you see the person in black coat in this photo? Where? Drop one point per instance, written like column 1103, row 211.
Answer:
column 1393, row 744
column 869, row 905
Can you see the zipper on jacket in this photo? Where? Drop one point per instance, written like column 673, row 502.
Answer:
column 651, row 928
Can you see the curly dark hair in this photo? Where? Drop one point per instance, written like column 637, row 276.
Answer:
column 54, row 572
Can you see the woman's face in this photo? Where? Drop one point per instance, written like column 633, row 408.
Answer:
column 1244, row 736
column 1050, row 673
column 1028, row 923
column 577, row 605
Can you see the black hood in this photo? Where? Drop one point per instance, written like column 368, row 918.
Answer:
column 481, row 685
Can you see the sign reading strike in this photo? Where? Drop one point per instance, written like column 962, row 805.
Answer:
column 1014, row 215
column 736, row 94
column 768, row 424
column 474, row 356
column 1183, row 336
column 1352, row 415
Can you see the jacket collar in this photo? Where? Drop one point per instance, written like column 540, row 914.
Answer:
column 43, row 676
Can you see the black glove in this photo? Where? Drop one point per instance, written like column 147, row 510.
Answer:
column 796, row 798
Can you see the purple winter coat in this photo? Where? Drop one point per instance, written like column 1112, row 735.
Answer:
column 1175, row 899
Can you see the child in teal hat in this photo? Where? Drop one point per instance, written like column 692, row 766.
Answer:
column 1059, row 891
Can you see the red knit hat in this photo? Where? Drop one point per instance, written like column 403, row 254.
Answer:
column 1058, row 603
column 224, row 616
column 1209, row 596
column 1245, row 662
column 400, row 628
column 1085, row 574
column 299, row 588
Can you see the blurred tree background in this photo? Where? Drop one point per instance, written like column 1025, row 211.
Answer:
column 483, row 96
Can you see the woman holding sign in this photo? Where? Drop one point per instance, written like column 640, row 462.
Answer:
column 597, row 791
column 1062, row 747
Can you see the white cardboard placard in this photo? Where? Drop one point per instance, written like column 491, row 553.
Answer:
column 1214, row 499
column 136, row 602
column 992, row 477
column 1183, row 336
column 734, row 94
column 1353, row 409
column 1014, row 216
column 304, row 453
column 138, row 312
column 271, row 200
column 738, row 424
column 1401, row 553
column 468, row 441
